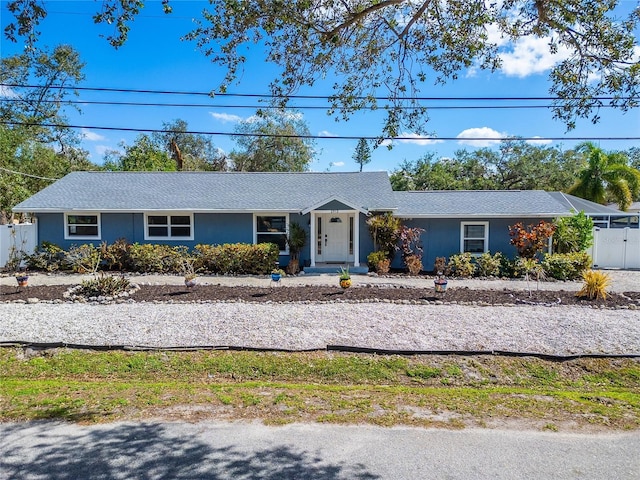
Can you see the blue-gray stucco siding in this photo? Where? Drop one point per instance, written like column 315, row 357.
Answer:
column 441, row 237
column 209, row 228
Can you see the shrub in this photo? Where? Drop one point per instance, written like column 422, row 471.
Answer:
column 116, row 256
column 379, row 262
column 461, row 265
column 440, row 266
column 236, row 258
column 48, row 256
column 148, row 258
column 414, row 264
column 84, row 258
column 573, row 234
column 488, row 265
column 531, row 240
column 384, row 229
column 595, row 285
column 104, row 285
column 566, row 266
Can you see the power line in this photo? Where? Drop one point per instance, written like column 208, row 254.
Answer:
column 319, row 137
column 297, row 107
column 28, row 174
column 304, row 97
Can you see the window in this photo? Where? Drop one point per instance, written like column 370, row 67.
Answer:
column 82, row 226
column 168, row 227
column 272, row 229
column 474, row 237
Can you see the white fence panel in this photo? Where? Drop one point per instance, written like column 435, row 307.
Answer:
column 616, row 248
column 16, row 238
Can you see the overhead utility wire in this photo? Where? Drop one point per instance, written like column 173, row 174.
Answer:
column 299, row 107
column 312, row 137
column 27, row 174
column 306, row 97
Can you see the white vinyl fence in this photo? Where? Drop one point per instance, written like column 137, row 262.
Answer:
column 15, row 239
column 616, row 248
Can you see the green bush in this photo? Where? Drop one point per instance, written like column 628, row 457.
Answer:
column 374, row 259
column 49, row 257
column 461, row 265
column 566, row 266
column 83, row 258
column 573, row 234
column 147, row 258
column 104, row 285
column 237, row 258
column 116, row 256
column 488, row 265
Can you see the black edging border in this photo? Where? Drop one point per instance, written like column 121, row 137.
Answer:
column 328, row 348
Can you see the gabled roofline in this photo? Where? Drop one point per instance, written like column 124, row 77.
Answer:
column 332, row 198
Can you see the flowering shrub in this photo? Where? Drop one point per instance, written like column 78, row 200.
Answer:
column 531, row 240
column 488, row 265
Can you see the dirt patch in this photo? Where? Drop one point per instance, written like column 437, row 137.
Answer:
column 218, row 293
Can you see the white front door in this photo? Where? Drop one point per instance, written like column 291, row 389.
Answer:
column 333, row 233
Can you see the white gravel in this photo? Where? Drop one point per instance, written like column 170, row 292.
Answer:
column 560, row 330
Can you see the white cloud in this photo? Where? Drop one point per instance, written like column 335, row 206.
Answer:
column 386, row 142
column 337, row 164
column 7, row 92
column 530, row 55
column 539, row 141
column 326, row 133
column 482, row 137
column 416, row 139
column 225, row 117
column 91, row 136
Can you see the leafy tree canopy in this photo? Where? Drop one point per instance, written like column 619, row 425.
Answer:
column 56, row 74
column 515, row 165
column 606, row 177
column 362, row 155
column 273, row 141
column 384, row 51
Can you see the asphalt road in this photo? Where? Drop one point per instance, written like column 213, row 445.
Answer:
column 211, row 450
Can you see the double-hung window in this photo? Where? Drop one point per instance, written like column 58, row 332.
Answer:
column 168, row 227
column 82, row 226
column 271, row 229
column 474, row 237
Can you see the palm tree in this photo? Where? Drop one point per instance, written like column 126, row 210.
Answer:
column 606, row 176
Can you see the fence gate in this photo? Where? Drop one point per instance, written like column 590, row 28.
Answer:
column 616, row 248
column 18, row 238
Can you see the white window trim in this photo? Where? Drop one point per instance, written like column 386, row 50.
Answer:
column 463, row 238
column 167, row 214
column 81, row 237
column 270, row 214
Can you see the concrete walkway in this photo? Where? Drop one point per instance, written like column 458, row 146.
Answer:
column 622, row 281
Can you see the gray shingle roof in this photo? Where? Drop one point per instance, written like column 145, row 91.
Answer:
column 586, row 206
column 479, row 203
column 210, row 191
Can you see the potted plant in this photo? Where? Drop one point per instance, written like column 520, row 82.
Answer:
column 345, row 278
column 296, row 241
column 22, row 278
column 440, row 283
column 277, row 274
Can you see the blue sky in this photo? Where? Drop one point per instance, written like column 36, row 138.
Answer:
column 154, row 58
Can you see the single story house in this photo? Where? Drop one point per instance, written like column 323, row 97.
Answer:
column 190, row 208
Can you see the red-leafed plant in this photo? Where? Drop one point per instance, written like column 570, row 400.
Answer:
column 532, row 239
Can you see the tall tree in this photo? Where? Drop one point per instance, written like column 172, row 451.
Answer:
column 143, row 155
column 38, row 85
column 606, row 177
column 362, row 155
column 189, row 151
column 273, row 141
column 387, row 49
